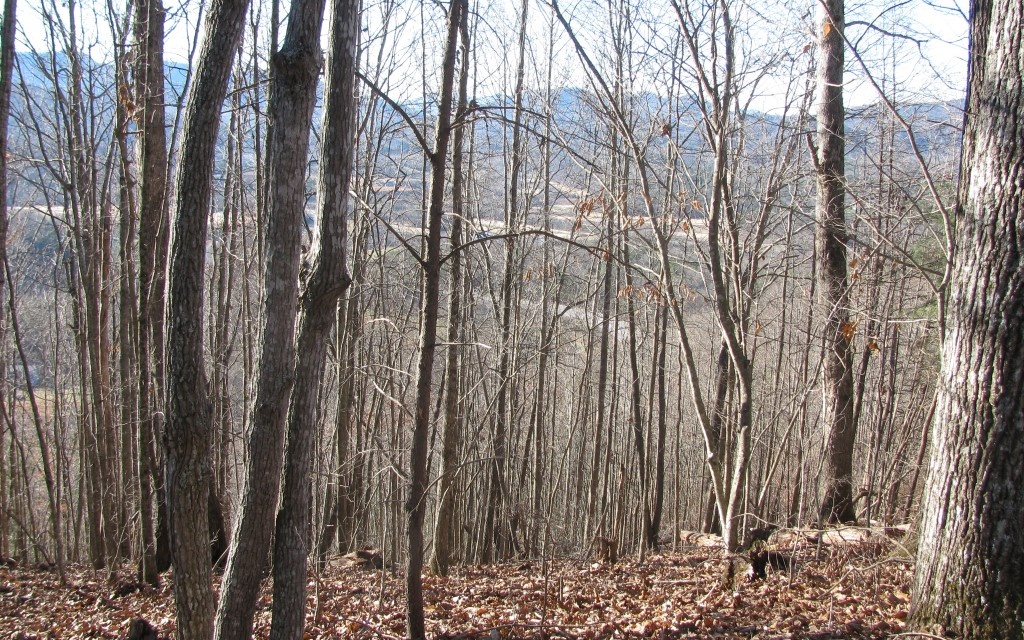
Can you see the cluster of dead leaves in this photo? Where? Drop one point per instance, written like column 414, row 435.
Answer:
column 848, row 592
column 34, row 604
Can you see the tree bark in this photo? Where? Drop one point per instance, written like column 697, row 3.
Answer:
column 153, row 237
column 451, row 437
column 416, row 505
column 7, row 30
column 969, row 578
column 294, row 75
column 837, row 373
column 188, row 404
column 324, row 279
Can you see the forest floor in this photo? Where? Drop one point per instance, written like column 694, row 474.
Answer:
column 848, row 591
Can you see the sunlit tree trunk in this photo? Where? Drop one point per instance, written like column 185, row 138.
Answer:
column 837, row 372
column 969, row 579
column 324, row 279
column 187, row 470
column 294, row 75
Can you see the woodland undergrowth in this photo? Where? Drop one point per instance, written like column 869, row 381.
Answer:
column 850, row 591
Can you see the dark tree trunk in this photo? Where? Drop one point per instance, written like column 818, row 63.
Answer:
column 153, row 236
column 837, row 374
column 294, row 74
column 970, row 571
column 416, row 505
column 658, row 500
column 445, row 525
column 7, row 30
column 188, row 403
column 6, row 82
column 324, row 279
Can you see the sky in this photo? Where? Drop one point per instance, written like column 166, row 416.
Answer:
column 921, row 43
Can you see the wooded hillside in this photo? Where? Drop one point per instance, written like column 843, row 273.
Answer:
column 479, row 283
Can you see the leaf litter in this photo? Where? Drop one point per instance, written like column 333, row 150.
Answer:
column 851, row 591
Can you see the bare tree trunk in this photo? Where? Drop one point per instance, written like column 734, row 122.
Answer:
column 416, row 506
column 593, row 518
column 658, row 499
column 342, row 494
column 837, row 374
column 128, row 368
column 451, row 437
column 188, row 403
column 153, row 240
column 324, row 279
column 294, row 75
column 7, row 31
column 969, row 579
column 635, row 404
column 497, row 540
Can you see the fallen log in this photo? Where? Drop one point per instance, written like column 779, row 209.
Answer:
column 698, row 539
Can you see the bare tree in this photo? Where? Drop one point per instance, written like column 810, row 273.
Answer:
column 837, row 376
column 153, row 241
column 7, row 30
column 324, row 280
column 969, row 579
column 188, row 404
column 294, row 75
column 416, row 502
column 445, row 522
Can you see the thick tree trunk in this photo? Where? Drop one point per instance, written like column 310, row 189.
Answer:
column 188, row 403
column 324, row 279
column 970, row 572
column 294, row 75
column 837, row 374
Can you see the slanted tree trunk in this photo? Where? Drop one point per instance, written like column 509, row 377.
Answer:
column 294, row 74
column 188, row 405
column 324, row 279
column 837, row 373
column 969, row 578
